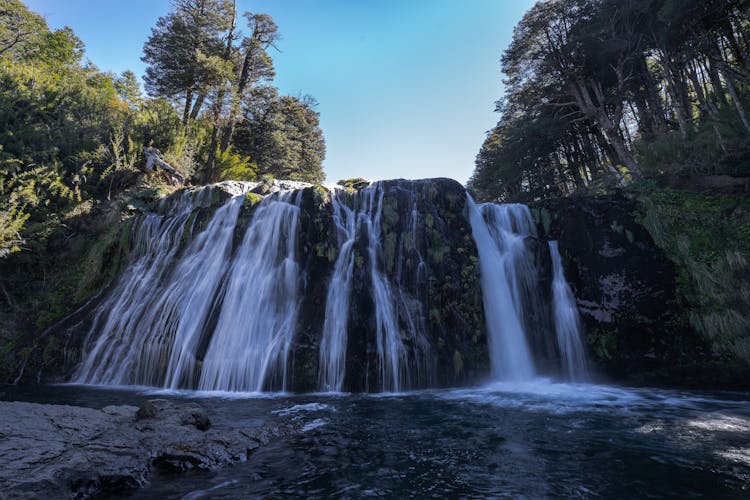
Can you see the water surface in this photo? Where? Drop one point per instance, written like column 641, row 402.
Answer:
column 535, row 439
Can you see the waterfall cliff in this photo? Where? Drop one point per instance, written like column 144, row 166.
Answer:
column 396, row 286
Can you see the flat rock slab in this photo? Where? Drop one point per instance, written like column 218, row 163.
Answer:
column 56, row 451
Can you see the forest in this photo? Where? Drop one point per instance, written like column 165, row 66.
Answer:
column 72, row 136
column 599, row 93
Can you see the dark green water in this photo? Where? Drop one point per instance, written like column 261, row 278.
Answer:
column 533, row 440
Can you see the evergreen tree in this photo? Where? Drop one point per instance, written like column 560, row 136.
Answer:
column 283, row 136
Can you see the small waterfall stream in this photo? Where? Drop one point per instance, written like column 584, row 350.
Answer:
column 333, row 341
column 391, row 355
column 567, row 323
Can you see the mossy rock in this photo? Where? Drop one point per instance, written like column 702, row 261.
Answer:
column 356, row 183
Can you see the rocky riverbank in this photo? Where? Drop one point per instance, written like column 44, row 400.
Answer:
column 58, row 451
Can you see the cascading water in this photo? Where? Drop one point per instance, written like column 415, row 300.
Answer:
column 567, row 322
column 333, row 341
column 194, row 309
column 391, row 353
column 250, row 345
column 499, row 232
column 411, row 308
column 153, row 317
column 398, row 315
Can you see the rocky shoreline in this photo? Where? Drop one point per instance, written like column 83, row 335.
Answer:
column 59, row 451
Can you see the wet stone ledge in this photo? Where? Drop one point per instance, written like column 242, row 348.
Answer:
column 57, row 451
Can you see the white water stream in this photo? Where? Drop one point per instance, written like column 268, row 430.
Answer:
column 250, row 345
column 499, row 232
column 567, row 322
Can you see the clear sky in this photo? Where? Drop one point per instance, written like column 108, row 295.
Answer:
column 406, row 87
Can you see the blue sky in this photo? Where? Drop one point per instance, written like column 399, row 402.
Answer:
column 406, row 87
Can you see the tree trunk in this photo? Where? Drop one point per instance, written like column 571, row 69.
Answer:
column 188, row 102
column 610, row 128
column 706, row 107
column 718, row 87
column 673, row 87
column 737, row 103
column 244, row 79
column 219, row 103
column 197, row 106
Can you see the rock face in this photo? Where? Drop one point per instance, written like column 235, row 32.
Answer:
column 625, row 287
column 55, row 451
column 431, row 262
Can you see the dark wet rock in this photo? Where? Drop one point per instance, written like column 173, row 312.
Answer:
column 625, row 287
column 198, row 419
column 146, row 410
column 430, row 260
column 55, row 451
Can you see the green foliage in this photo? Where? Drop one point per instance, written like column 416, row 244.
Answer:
column 708, row 237
column 230, row 165
column 603, row 92
column 354, row 183
column 283, row 136
column 252, row 199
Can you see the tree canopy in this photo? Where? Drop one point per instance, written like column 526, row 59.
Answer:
column 72, row 136
column 607, row 91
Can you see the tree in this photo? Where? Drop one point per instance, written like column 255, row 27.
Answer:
column 185, row 52
column 256, row 67
column 593, row 85
column 282, row 136
column 19, row 29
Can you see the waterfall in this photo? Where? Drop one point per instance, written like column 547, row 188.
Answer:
column 154, row 314
column 209, row 303
column 398, row 315
column 499, row 232
column 391, row 353
column 250, row 345
column 567, row 322
column 333, row 342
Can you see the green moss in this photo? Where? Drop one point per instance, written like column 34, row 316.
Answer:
column 546, row 217
column 603, row 344
column 359, row 260
column 252, row 199
column 707, row 236
column 321, row 195
column 354, row 183
column 320, row 249
column 390, row 213
column 434, row 315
